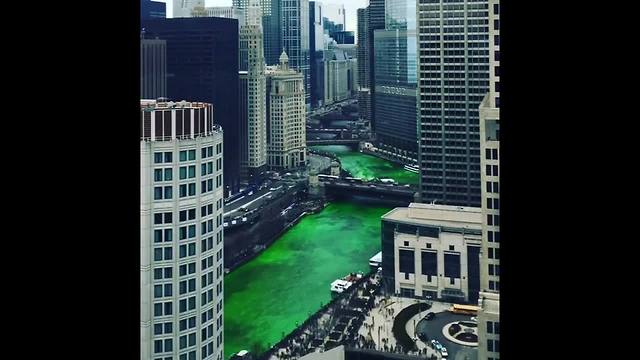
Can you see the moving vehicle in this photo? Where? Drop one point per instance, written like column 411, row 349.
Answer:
column 412, row 168
column 443, row 352
column 436, row 345
column 464, row 309
column 430, row 316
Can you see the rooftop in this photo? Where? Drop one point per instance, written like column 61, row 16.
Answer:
column 160, row 104
column 437, row 215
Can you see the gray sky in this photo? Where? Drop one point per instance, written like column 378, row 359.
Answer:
column 350, row 7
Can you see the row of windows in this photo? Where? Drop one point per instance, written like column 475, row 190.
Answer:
column 491, row 154
column 494, row 270
column 165, row 290
column 493, row 236
column 493, row 187
column 494, row 253
column 492, row 170
column 493, row 203
column 187, row 340
column 186, row 324
column 163, row 193
column 160, row 346
column 163, row 328
column 493, row 220
column 494, row 285
column 187, row 286
column 493, row 327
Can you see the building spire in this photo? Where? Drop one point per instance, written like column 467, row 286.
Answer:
column 284, row 60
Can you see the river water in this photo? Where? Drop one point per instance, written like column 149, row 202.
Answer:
column 367, row 166
column 289, row 281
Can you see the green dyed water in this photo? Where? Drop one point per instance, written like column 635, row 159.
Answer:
column 367, row 167
column 288, row 281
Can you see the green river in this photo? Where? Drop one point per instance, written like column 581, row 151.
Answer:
column 367, row 166
column 286, row 283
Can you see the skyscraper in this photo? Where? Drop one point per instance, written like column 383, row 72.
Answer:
column 489, row 315
column 153, row 68
column 340, row 75
column 270, row 27
column 396, row 82
column 181, row 237
column 184, row 8
column 364, row 88
column 295, row 39
column 152, row 10
column 287, row 143
column 202, row 65
column 316, row 51
column 253, row 124
column 454, row 77
column 376, row 16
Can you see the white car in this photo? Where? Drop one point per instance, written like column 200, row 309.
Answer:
column 443, row 352
column 474, row 319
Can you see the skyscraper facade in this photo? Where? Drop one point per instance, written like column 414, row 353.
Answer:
column 340, row 75
column 253, row 160
column 185, row 8
column 376, row 17
column 153, row 68
column 396, row 82
column 270, row 27
column 152, row 10
column 294, row 28
column 181, row 237
column 202, row 65
column 489, row 315
column 287, row 143
column 454, row 77
column 316, row 51
column 364, row 92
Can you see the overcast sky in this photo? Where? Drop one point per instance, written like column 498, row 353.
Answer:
column 350, row 7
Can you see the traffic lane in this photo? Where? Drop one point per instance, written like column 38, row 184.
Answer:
column 456, row 351
column 247, row 198
column 257, row 200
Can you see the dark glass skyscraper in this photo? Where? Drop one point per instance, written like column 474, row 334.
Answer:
column 202, row 65
column 152, row 10
column 395, row 82
column 454, row 78
column 294, row 28
column 364, row 90
column 376, row 22
column 316, row 47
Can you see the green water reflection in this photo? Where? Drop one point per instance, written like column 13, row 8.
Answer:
column 267, row 296
column 367, row 166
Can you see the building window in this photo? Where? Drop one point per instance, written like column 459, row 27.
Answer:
column 490, row 345
column 407, row 262
column 496, row 9
column 168, row 157
column 496, row 24
column 157, row 158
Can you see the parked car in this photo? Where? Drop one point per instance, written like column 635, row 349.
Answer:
column 474, row 319
column 430, row 316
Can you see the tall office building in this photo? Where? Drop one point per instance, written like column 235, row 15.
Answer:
column 185, row 8
column 364, row 92
column 153, row 68
column 396, row 82
column 152, row 10
column 287, row 142
column 228, row 12
column 340, row 75
column 454, row 77
column 376, row 17
column 202, row 65
column 336, row 15
column 270, row 27
column 253, row 122
column 181, row 237
column 295, row 39
column 489, row 315
column 316, row 53
column 344, row 37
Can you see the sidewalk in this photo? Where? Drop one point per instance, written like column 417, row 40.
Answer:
column 378, row 324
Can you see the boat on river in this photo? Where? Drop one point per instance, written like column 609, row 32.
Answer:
column 338, row 286
column 412, row 168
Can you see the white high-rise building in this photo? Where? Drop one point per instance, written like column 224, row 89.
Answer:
column 181, row 237
column 183, row 8
column 489, row 316
column 253, row 109
column 287, row 143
